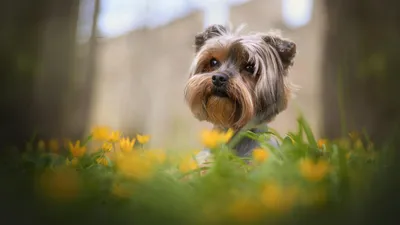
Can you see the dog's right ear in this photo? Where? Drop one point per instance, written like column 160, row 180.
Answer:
column 209, row 32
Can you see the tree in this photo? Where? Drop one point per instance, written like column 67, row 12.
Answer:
column 361, row 70
column 37, row 41
column 361, row 64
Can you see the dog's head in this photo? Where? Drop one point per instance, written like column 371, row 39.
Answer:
column 235, row 79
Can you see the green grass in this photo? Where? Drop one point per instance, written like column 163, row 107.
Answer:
column 303, row 175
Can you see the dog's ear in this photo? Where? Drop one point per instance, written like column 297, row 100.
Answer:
column 209, row 32
column 272, row 88
column 285, row 48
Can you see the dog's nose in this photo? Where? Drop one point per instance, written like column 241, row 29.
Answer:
column 219, row 80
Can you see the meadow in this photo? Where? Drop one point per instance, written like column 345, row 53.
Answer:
column 115, row 178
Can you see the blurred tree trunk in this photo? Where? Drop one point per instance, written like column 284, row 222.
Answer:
column 37, row 45
column 19, row 52
column 361, row 71
column 81, row 92
column 362, row 65
column 56, row 67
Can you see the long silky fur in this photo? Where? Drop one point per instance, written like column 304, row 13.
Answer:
column 270, row 94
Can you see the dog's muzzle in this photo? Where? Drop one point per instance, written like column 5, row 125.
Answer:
column 220, row 82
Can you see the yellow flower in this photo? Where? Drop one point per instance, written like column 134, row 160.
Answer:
column 225, row 137
column 101, row 133
column 54, row 146
column 41, row 145
column 102, row 161
column 126, row 145
column 134, row 165
column 322, row 143
column 115, row 136
column 107, row 146
column 77, row 150
column 143, row 139
column 277, row 198
column 260, row 155
column 212, row 138
column 245, row 210
column 73, row 162
column 314, row 171
column 188, row 164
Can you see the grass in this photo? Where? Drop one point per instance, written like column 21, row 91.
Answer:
column 109, row 177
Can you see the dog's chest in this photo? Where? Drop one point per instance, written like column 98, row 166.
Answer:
column 246, row 145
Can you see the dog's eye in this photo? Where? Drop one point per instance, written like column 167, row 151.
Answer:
column 214, row 63
column 249, row 68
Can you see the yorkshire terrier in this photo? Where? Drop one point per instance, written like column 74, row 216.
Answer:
column 236, row 80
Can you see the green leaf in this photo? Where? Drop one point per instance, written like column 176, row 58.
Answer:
column 251, row 135
column 309, row 134
column 89, row 138
column 95, row 155
column 274, row 133
column 110, row 163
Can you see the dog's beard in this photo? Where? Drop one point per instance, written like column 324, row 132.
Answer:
column 232, row 111
column 221, row 110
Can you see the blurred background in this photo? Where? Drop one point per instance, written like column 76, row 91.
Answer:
column 69, row 65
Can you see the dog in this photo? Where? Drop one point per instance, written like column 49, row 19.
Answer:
column 239, row 81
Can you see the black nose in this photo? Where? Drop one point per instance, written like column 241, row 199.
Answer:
column 219, row 80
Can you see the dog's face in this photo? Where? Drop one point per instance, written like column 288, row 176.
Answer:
column 235, row 79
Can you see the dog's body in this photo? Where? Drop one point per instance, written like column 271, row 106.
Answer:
column 236, row 80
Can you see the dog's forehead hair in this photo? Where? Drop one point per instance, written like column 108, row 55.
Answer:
column 232, row 50
column 233, row 47
column 237, row 51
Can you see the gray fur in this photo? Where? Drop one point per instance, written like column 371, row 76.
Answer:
column 272, row 57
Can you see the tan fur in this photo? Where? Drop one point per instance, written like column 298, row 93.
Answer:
column 259, row 95
column 195, row 92
column 220, row 111
column 241, row 93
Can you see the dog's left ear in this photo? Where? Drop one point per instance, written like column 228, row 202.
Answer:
column 209, row 32
column 285, row 48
